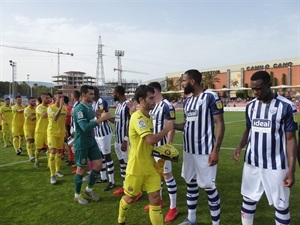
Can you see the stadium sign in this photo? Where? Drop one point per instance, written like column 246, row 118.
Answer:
column 210, row 72
column 267, row 66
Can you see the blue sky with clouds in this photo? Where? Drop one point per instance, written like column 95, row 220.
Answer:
column 158, row 37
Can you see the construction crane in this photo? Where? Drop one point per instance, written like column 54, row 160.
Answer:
column 129, row 71
column 38, row 50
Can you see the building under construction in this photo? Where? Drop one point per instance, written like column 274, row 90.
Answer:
column 72, row 80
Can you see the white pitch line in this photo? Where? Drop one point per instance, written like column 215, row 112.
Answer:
column 15, row 163
column 26, row 161
column 20, row 162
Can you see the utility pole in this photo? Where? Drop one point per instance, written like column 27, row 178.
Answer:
column 13, row 78
column 100, row 68
column 119, row 54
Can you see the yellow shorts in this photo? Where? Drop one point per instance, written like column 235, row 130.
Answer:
column 55, row 142
column 29, row 134
column 135, row 184
column 40, row 139
column 17, row 131
column 6, row 127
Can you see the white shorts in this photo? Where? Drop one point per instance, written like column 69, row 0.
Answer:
column 197, row 167
column 167, row 165
column 120, row 154
column 256, row 181
column 104, row 144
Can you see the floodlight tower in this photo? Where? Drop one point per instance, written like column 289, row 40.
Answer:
column 100, row 70
column 119, row 54
column 13, row 77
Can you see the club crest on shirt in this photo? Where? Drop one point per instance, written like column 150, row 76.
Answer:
column 295, row 118
column 273, row 110
column 172, row 114
column 130, row 189
column 83, row 161
column 142, row 124
column 219, row 104
column 80, row 115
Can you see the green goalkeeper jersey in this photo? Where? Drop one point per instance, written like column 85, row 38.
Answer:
column 84, row 121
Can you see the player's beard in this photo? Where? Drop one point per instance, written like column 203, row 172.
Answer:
column 188, row 89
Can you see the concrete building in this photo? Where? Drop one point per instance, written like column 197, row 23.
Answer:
column 72, row 80
column 284, row 72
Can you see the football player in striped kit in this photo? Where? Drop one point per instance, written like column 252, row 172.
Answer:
column 121, row 121
column 103, row 135
column 201, row 144
column 270, row 155
column 165, row 111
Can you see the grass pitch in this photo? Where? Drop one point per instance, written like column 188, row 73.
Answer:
column 27, row 197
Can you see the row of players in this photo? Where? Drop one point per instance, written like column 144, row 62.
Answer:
column 269, row 158
column 45, row 123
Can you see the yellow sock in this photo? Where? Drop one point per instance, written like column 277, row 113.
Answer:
column 16, row 143
column 51, row 163
column 5, row 139
column 29, row 148
column 21, row 138
column 123, row 209
column 37, row 155
column 155, row 214
column 48, row 155
column 57, row 161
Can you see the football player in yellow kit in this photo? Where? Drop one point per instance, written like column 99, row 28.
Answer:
column 1, row 104
column 6, row 119
column 29, row 126
column 56, row 133
column 40, row 134
column 17, row 124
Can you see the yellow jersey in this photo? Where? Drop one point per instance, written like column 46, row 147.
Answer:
column 56, row 128
column 1, row 104
column 18, row 116
column 140, row 160
column 6, row 113
column 28, row 123
column 41, row 122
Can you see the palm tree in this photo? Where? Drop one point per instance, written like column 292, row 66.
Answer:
column 209, row 80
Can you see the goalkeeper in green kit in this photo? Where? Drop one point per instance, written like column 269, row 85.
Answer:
column 85, row 145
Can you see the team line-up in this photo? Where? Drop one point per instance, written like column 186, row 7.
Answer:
column 143, row 145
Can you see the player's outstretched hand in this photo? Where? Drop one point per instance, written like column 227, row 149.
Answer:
column 236, row 154
column 131, row 106
column 104, row 116
column 169, row 125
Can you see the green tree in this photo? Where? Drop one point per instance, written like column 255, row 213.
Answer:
column 179, row 82
column 170, row 85
column 4, row 88
column 209, row 80
column 241, row 94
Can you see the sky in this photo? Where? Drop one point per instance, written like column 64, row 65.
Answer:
column 157, row 36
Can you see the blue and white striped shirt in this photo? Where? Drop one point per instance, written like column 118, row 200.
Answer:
column 160, row 114
column 268, row 124
column 198, row 132
column 103, row 128
column 122, row 117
